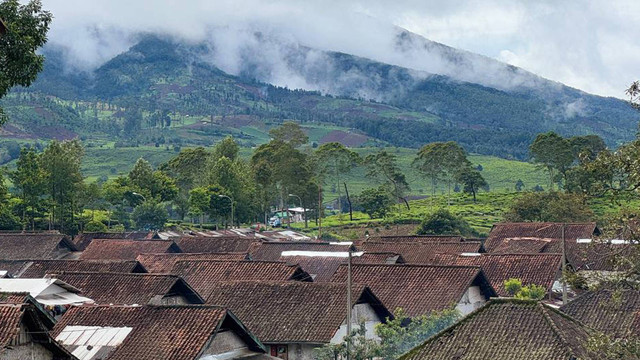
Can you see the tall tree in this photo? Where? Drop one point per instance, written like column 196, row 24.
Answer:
column 333, row 160
column 26, row 31
column 472, row 181
column 61, row 163
column 228, row 148
column 554, row 153
column 29, row 180
column 291, row 133
column 441, row 161
column 384, row 166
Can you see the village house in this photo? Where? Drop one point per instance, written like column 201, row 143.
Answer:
column 533, row 232
column 422, row 252
column 119, row 249
column 421, row 289
column 39, row 268
column 190, row 244
column 321, row 265
column 204, row 274
column 164, row 263
column 132, row 289
column 418, row 238
column 24, row 330
column 613, row 312
column 509, row 329
column 272, row 251
column 539, row 269
column 181, row 332
column 83, row 239
column 35, row 246
column 293, row 318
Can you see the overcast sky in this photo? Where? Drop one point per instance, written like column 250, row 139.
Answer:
column 591, row 45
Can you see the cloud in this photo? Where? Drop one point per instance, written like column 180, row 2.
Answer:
column 586, row 44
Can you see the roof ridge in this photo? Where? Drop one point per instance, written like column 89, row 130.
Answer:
column 110, row 273
column 556, row 329
column 415, row 265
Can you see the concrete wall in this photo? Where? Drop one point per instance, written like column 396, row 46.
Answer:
column 296, row 351
column 360, row 313
column 471, row 300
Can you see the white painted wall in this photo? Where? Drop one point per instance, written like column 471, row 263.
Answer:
column 471, row 300
column 360, row 313
column 30, row 351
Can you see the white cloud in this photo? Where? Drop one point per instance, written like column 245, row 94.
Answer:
column 591, row 45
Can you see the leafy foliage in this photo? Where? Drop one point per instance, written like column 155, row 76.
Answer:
column 528, row 292
column 443, row 222
column 549, row 207
column 27, row 27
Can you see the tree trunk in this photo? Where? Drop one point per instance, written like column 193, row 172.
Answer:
column 406, row 203
column 348, row 201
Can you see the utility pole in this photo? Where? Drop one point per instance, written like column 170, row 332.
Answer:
column 349, row 304
column 564, row 267
column 319, row 211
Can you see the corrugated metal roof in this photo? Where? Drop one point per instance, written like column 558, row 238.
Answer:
column 45, row 291
column 88, row 341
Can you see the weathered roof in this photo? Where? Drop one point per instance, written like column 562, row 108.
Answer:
column 418, row 289
column 285, row 312
column 203, row 274
column 422, row 252
column 157, row 332
column 190, row 244
column 120, row 249
column 129, row 289
column 541, row 230
column 600, row 256
column 417, row 238
column 28, row 314
column 379, row 258
column 163, row 263
column 82, row 240
column 38, row 268
column 524, row 246
column 34, row 246
column 539, row 269
column 321, row 265
column 14, row 267
column 609, row 311
column 509, row 330
column 271, row 251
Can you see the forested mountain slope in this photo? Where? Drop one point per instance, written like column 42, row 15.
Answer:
column 169, row 90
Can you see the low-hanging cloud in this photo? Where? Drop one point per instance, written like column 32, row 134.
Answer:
column 521, row 33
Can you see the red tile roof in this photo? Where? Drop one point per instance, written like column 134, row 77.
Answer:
column 322, row 268
column 83, row 240
column 509, row 330
column 271, row 251
column 539, row 269
column 160, row 332
column 34, row 246
column 417, row 238
column 422, row 253
column 291, row 312
column 417, row 289
column 203, row 274
column 190, row 244
column 379, row 258
column 38, row 268
column 14, row 267
column 163, row 263
column 118, row 249
column 128, row 289
column 609, row 311
column 502, row 231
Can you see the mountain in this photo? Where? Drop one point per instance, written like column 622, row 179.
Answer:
column 130, row 97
